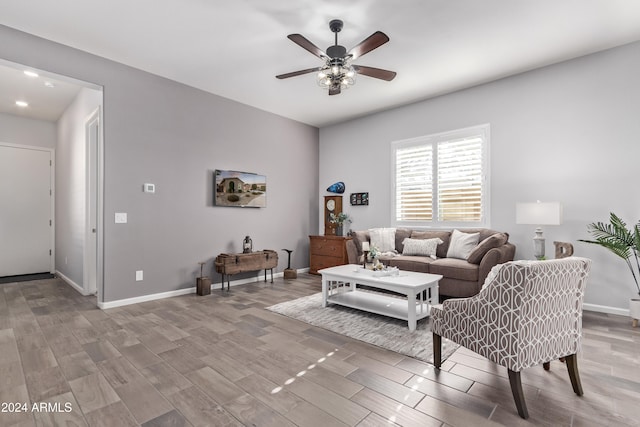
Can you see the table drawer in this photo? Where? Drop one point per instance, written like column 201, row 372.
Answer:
column 327, row 247
column 318, row 263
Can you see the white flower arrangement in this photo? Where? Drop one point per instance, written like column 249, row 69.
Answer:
column 339, row 219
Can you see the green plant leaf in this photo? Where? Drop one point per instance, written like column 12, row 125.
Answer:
column 619, row 240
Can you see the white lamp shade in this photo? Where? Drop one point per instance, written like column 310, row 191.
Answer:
column 539, row 213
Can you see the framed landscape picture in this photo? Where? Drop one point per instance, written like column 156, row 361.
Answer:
column 240, row 189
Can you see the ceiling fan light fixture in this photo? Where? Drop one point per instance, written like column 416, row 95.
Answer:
column 337, row 73
column 333, row 76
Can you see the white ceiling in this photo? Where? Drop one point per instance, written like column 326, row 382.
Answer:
column 46, row 102
column 235, row 48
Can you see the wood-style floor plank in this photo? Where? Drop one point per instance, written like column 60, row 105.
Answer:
column 222, row 359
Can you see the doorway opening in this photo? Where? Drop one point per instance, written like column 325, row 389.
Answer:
column 64, row 116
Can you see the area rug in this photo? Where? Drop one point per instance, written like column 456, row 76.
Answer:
column 386, row 332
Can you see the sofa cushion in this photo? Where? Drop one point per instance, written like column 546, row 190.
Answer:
column 411, row 263
column 383, row 238
column 422, row 247
column 462, row 244
column 445, row 236
column 493, row 241
column 455, row 269
column 401, row 234
column 359, row 237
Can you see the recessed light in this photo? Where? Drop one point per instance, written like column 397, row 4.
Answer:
column 22, row 104
column 30, row 73
column 49, row 84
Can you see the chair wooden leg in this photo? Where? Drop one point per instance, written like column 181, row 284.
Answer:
column 574, row 375
column 546, row 365
column 518, row 394
column 437, row 350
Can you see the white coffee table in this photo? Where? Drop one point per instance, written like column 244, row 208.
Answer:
column 339, row 286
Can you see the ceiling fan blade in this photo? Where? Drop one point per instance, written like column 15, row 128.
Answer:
column 301, row 41
column 334, row 90
column 376, row 73
column 298, row 73
column 375, row 40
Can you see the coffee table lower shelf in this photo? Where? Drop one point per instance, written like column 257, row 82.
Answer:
column 380, row 304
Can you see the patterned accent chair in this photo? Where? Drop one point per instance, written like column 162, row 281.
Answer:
column 527, row 313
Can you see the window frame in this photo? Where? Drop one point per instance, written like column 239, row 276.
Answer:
column 482, row 131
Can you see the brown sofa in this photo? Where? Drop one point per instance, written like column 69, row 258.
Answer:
column 461, row 277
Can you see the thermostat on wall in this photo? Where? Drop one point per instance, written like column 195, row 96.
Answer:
column 149, row 188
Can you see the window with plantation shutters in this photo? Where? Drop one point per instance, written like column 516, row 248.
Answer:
column 441, row 180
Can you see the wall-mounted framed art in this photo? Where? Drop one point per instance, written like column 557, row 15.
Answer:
column 239, row 189
column 358, row 199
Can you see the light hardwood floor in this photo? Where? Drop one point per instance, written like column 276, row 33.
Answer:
column 222, row 360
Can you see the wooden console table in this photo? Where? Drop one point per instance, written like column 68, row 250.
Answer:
column 228, row 264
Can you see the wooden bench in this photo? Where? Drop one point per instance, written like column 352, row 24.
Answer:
column 228, row 264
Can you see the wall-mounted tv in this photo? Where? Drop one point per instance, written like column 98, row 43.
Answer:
column 240, row 189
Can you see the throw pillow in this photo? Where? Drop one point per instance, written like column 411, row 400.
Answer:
column 421, row 247
column 383, row 238
column 462, row 244
column 441, row 252
column 493, row 241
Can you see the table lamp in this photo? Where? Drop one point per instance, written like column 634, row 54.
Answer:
column 539, row 213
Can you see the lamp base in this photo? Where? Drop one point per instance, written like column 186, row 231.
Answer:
column 538, row 244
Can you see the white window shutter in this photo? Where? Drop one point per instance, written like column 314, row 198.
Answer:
column 414, row 189
column 460, row 180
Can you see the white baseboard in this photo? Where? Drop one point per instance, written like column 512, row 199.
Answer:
column 135, row 300
column 71, row 283
column 606, row 309
column 185, row 291
column 145, row 298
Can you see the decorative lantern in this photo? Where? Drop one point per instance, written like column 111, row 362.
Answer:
column 247, row 245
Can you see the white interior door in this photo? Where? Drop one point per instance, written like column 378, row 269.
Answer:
column 26, row 214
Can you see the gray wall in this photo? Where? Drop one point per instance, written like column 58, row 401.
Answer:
column 172, row 135
column 24, row 131
column 71, row 170
column 567, row 132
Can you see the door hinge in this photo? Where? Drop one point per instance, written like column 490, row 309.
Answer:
column 50, row 162
column 49, row 223
column 49, row 252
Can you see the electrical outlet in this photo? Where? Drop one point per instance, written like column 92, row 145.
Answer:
column 121, row 218
column 139, row 276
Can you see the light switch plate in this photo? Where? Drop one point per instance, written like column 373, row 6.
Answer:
column 121, row 217
column 139, row 275
column 149, row 188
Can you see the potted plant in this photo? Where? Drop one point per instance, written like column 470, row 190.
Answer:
column 339, row 221
column 625, row 243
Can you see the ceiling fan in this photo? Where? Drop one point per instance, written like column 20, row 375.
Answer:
column 338, row 73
